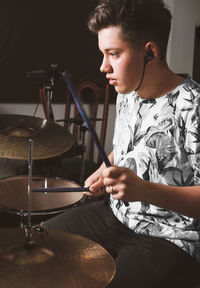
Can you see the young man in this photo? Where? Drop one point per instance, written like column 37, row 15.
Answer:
column 151, row 222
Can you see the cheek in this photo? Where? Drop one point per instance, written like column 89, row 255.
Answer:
column 134, row 69
column 128, row 74
column 128, row 65
column 123, row 70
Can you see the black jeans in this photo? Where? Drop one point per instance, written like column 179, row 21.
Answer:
column 141, row 261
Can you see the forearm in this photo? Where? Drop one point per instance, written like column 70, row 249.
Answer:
column 184, row 200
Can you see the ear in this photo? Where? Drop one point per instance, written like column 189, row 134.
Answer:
column 151, row 51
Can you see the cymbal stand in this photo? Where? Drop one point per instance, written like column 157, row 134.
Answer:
column 29, row 229
column 83, row 129
column 29, row 234
column 49, row 94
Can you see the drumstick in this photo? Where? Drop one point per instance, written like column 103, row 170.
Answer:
column 93, row 133
column 67, row 189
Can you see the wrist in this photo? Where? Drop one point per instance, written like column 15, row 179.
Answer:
column 145, row 191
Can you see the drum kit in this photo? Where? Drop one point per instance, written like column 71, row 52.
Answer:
column 35, row 257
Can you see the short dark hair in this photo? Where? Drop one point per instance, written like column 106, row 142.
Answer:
column 141, row 21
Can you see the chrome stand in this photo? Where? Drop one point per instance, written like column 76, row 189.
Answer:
column 28, row 229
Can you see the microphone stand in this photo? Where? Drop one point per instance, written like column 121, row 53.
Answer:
column 49, row 93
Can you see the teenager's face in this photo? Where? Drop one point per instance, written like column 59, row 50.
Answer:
column 122, row 64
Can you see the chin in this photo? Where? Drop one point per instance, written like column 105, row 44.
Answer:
column 122, row 90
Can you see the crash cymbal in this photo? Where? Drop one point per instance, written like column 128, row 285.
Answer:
column 49, row 138
column 61, row 260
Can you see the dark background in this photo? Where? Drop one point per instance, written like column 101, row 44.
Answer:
column 37, row 33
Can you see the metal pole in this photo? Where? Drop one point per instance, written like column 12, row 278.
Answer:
column 29, row 236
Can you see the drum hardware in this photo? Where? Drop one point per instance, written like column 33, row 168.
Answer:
column 41, row 230
column 49, row 87
column 21, row 218
column 44, row 74
column 46, row 93
column 50, row 139
column 82, row 171
column 49, row 77
column 76, row 120
column 29, row 234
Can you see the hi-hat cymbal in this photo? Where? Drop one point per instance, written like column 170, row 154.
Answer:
column 49, row 138
column 61, row 260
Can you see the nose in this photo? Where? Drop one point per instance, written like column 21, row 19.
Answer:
column 105, row 66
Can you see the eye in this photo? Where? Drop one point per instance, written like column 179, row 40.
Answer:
column 113, row 54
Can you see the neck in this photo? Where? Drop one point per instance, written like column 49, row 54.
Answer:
column 158, row 81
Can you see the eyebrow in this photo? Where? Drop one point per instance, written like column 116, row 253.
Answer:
column 108, row 49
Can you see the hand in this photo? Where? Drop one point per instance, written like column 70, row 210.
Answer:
column 95, row 183
column 123, row 184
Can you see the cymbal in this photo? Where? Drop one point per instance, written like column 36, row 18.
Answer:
column 61, row 260
column 49, row 138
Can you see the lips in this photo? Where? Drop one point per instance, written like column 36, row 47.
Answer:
column 112, row 81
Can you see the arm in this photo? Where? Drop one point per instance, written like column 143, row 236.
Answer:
column 127, row 186
column 95, row 181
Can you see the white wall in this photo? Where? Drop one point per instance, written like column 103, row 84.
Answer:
column 170, row 5
column 186, row 16
column 29, row 109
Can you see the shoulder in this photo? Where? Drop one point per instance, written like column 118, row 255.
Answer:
column 191, row 85
column 188, row 93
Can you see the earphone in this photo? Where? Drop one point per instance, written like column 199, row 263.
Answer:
column 149, row 56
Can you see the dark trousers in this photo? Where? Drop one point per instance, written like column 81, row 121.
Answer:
column 141, row 261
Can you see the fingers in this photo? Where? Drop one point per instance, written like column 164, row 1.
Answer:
column 110, row 180
column 90, row 180
column 95, row 193
column 114, row 181
column 95, row 184
column 112, row 172
column 112, row 189
column 88, row 193
column 111, row 177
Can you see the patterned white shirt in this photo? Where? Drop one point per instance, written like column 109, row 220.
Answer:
column 159, row 139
